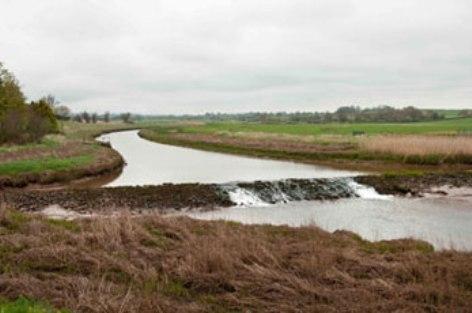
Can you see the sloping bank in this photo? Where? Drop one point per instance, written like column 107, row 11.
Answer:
column 170, row 197
column 61, row 159
column 93, row 160
column 154, row 264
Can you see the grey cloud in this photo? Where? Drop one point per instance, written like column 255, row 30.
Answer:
column 238, row 55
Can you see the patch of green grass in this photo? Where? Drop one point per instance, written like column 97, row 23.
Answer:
column 67, row 225
column 43, row 165
column 175, row 288
column 393, row 246
column 217, row 306
column 447, row 126
column 14, row 220
column 23, row 305
column 158, row 240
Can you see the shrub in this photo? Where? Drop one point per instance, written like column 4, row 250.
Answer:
column 21, row 122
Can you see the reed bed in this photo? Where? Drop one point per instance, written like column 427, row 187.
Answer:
column 419, row 145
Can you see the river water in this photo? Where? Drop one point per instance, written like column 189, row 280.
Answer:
column 444, row 221
column 150, row 163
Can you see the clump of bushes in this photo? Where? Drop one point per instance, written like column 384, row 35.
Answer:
column 22, row 122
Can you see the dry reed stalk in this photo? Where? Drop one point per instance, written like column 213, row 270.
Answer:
column 419, row 145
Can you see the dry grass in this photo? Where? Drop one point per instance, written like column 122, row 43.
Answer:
column 267, row 142
column 155, row 264
column 443, row 147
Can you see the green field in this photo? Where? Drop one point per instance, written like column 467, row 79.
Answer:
column 449, row 126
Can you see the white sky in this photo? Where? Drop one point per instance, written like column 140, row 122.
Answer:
column 187, row 56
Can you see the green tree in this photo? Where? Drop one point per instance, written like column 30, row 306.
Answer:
column 11, row 96
column 45, row 111
column 20, row 122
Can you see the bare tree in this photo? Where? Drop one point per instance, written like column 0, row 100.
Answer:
column 62, row 112
column 51, row 100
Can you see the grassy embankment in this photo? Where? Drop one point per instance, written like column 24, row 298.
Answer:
column 72, row 154
column 156, row 264
column 362, row 145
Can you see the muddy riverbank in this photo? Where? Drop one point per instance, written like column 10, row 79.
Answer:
column 167, row 197
column 161, row 198
column 415, row 185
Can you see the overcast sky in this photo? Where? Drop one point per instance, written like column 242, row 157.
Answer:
column 187, row 56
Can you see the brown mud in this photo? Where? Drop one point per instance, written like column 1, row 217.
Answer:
column 415, row 185
column 169, row 197
column 161, row 198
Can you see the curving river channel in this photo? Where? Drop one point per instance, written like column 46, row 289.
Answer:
column 150, row 163
column 444, row 221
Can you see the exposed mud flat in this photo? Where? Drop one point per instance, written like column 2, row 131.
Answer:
column 161, row 198
column 403, row 185
column 171, row 197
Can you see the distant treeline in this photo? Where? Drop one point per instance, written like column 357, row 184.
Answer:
column 86, row 117
column 20, row 121
column 345, row 114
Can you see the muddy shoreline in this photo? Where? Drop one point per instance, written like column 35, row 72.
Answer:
column 161, row 198
column 171, row 197
column 403, row 185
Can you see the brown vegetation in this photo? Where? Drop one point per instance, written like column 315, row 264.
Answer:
column 155, row 264
column 270, row 142
column 419, row 145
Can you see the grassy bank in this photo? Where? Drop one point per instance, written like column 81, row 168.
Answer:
column 70, row 155
column 156, row 264
column 351, row 145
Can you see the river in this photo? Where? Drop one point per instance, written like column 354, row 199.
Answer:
column 444, row 221
column 150, row 163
